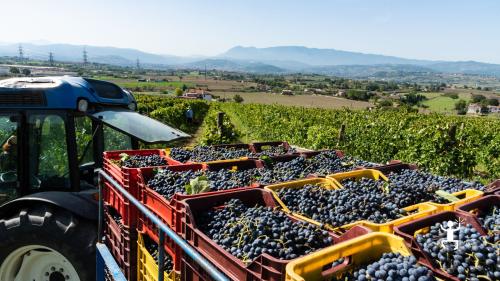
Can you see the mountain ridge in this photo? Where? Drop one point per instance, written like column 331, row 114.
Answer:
column 278, row 59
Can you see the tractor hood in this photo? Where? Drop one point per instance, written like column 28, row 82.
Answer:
column 139, row 126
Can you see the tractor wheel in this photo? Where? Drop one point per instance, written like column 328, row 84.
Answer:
column 45, row 243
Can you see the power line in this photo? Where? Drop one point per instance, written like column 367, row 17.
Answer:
column 21, row 53
column 85, row 58
column 51, row 59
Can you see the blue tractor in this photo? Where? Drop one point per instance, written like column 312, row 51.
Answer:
column 53, row 132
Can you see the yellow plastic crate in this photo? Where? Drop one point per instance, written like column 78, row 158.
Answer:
column 358, row 174
column 358, row 251
column 417, row 210
column 464, row 196
column 147, row 269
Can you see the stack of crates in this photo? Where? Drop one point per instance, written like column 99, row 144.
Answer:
column 128, row 232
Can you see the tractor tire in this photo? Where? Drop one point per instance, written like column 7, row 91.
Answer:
column 47, row 233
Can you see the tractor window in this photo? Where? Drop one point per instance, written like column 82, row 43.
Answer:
column 84, row 136
column 8, row 157
column 49, row 168
column 115, row 140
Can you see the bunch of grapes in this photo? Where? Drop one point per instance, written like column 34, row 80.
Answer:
column 116, row 217
column 410, row 187
column 491, row 222
column 167, row 182
column 180, row 154
column 152, row 249
column 208, row 153
column 247, row 232
column 328, row 162
column 283, row 171
column 474, row 258
column 225, row 179
column 275, row 150
column 139, row 161
column 358, row 200
column 391, row 266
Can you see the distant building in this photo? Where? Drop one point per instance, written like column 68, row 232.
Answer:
column 341, row 93
column 494, row 108
column 287, row 92
column 198, row 94
column 474, row 108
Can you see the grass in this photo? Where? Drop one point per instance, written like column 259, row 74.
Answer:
column 438, row 103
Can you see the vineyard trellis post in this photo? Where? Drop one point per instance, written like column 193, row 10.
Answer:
column 220, row 123
column 341, row 134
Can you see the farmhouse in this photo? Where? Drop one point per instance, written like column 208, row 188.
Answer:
column 197, row 94
column 474, row 108
column 341, row 93
column 494, row 108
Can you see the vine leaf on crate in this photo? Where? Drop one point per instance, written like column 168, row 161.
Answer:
column 124, row 157
column 266, row 160
column 446, row 195
column 198, row 185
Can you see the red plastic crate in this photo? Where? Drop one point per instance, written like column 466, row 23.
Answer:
column 407, row 232
column 192, row 271
column 168, row 210
column 478, row 207
column 160, row 205
column 493, row 188
column 127, row 177
column 165, row 208
column 116, row 200
column 264, row 267
column 122, row 243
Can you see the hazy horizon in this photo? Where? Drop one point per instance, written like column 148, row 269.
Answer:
column 430, row 30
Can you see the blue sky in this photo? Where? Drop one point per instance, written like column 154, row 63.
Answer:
column 438, row 29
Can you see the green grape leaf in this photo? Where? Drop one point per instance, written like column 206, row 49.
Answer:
column 198, row 185
column 446, row 195
column 124, row 157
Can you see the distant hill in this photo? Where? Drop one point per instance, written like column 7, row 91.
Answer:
column 314, row 56
column 235, row 65
column 363, row 71
column 467, row 67
column 281, row 59
column 110, row 55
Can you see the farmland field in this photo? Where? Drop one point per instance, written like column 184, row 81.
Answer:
column 299, row 100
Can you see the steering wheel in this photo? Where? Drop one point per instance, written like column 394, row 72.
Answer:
column 11, row 176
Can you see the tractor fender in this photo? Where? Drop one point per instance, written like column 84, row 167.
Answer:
column 81, row 204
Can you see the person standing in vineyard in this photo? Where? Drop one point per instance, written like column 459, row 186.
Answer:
column 8, row 158
column 189, row 115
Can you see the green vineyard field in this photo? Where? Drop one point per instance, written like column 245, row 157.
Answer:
column 466, row 147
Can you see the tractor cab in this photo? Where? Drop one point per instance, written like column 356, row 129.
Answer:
column 53, row 131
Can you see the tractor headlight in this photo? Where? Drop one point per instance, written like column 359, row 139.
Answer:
column 83, row 105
